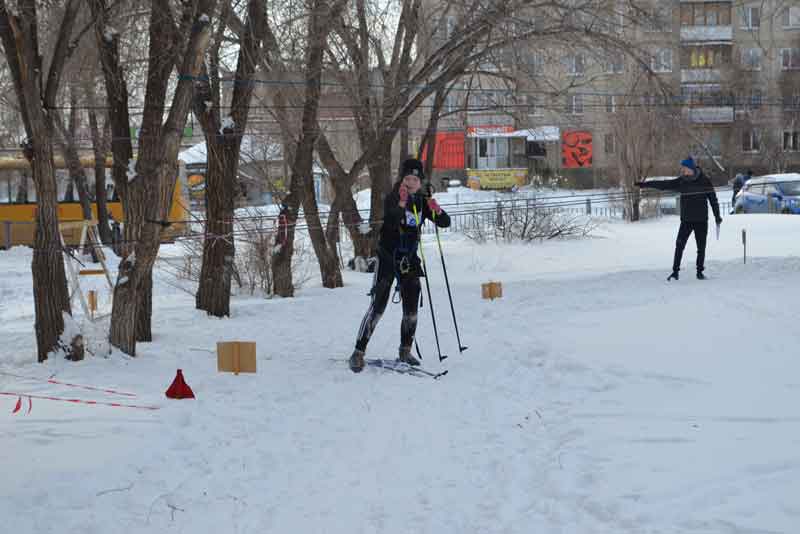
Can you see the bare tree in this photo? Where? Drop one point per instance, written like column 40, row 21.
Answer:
column 147, row 190
column 19, row 30
column 641, row 140
column 302, row 181
column 223, row 146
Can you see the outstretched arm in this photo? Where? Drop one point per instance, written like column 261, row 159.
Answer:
column 663, row 185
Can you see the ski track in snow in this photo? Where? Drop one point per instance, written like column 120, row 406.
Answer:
column 592, row 402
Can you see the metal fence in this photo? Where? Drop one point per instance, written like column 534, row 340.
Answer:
column 463, row 216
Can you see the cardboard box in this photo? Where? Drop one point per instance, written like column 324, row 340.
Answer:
column 236, row 357
column 492, row 290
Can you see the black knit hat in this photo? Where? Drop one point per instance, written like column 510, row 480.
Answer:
column 412, row 166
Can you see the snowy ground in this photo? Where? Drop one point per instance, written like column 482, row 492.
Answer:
column 594, row 398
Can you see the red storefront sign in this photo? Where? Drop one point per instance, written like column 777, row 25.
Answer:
column 449, row 151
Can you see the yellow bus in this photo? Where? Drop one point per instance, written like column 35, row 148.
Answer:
column 18, row 220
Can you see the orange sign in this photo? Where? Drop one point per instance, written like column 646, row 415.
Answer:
column 576, row 150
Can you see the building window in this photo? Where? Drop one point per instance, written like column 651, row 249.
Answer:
column 660, row 19
column 790, row 58
column 615, row 64
column 661, row 61
column 701, row 58
column 452, row 100
column 483, row 100
column 706, row 14
column 751, row 17
column 576, row 65
column 750, row 141
column 791, row 102
column 533, row 63
column 790, row 17
column 611, row 104
column 755, row 100
column 791, row 141
column 534, row 107
column 575, row 104
column 608, row 141
column 751, row 58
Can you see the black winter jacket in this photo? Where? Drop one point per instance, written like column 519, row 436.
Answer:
column 696, row 191
column 400, row 230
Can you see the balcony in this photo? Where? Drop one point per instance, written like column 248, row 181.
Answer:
column 701, row 75
column 707, row 34
column 709, row 115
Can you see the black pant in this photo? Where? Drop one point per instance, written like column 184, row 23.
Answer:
column 700, row 229
column 385, row 272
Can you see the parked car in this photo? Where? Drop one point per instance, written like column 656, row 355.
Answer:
column 778, row 193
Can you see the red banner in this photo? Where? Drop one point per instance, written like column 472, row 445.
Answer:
column 576, row 150
column 449, row 151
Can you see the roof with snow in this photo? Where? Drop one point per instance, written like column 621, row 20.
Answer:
column 253, row 149
column 542, row 133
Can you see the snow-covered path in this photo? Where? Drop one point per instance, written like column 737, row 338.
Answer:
column 594, row 398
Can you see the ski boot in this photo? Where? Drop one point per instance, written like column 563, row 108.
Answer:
column 673, row 276
column 357, row 361
column 404, row 355
column 700, row 275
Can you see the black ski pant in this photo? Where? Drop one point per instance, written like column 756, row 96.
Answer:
column 379, row 298
column 700, row 229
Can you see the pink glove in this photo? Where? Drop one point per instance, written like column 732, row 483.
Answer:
column 434, row 206
column 403, row 191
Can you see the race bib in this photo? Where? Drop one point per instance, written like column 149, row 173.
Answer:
column 410, row 219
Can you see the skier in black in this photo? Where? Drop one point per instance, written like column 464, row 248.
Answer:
column 405, row 209
column 696, row 191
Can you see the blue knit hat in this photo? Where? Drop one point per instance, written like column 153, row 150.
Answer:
column 689, row 163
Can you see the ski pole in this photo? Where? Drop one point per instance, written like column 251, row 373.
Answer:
column 461, row 348
column 428, row 288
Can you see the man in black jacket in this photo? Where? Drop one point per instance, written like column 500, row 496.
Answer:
column 696, row 191
column 405, row 209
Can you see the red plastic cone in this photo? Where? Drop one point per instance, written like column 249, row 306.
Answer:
column 179, row 388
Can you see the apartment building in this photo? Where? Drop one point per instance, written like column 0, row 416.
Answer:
column 725, row 88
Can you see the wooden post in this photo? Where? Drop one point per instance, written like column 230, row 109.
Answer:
column 588, row 206
column 744, row 244
column 7, row 228
column 92, row 302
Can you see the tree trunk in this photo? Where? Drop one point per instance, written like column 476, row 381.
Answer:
column 69, row 190
column 302, row 186
column 214, row 289
column 328, row 264
column 150, row 192
column 344, row 203
column 77, row 176
column 19, row 34
column 22, row 187
column 99, row 149
column 380, row 171
column 51, row 300
column 223, row 149
column 144, row 330
column 282, row 282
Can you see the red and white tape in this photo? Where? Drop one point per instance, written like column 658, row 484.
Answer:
column 81, row 386
column 76, row 401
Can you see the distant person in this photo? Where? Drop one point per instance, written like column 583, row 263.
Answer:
column 696, row 192
column 738, row 184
